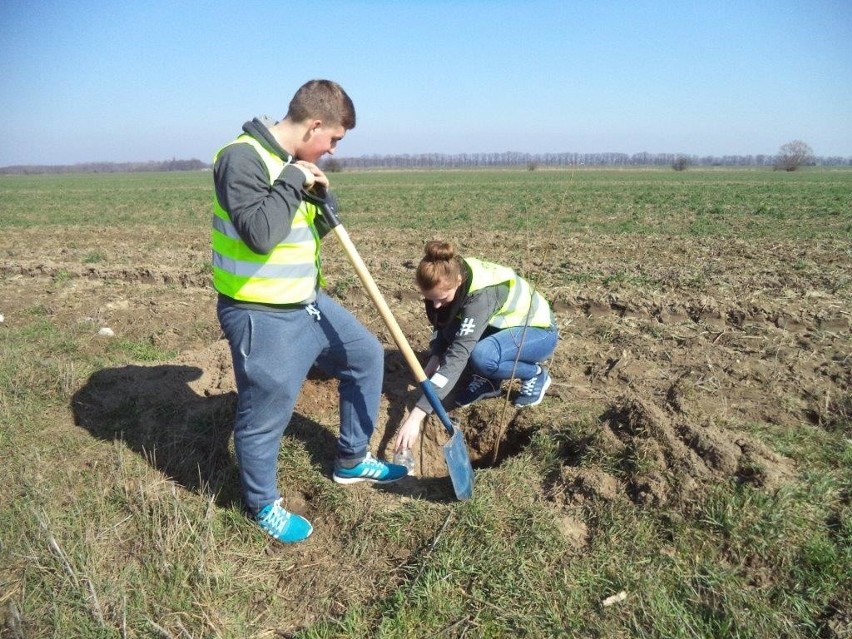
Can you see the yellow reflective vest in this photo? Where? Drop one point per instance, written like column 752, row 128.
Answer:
column 289, row 274
column 522, row 306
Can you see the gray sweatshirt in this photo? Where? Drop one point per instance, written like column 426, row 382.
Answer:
column 262, row 214
column 458, row 327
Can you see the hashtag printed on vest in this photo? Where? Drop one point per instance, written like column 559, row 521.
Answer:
column 288, row 274
column 522, row 306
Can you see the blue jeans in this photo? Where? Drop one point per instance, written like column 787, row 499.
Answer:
column 272, row 355
column 494, row 355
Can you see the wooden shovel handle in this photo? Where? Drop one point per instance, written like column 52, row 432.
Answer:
column 390, row 321
column 328, row 207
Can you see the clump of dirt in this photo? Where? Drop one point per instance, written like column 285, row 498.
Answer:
column 654, row 458
column 664, row 459
column 575, row 531
column 578, row 485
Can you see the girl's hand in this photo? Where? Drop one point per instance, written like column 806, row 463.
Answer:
column 408, row 433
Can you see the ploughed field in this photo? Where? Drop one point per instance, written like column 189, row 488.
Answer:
column 704, row 329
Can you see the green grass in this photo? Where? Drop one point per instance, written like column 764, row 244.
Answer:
column 500, row 567
column 141, row 351
column 745, row 203
column 181, row 199
column 739, row 203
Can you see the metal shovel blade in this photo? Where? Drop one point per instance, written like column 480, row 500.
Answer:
column 455, row 450
column 458, row 463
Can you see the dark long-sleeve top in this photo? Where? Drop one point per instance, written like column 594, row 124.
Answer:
column 458, row 327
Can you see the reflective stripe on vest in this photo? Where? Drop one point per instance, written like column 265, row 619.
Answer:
column 516, row 309
column 288, row 274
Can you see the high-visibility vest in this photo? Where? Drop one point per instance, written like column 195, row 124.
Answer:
column 522, row 306
column 289, row 274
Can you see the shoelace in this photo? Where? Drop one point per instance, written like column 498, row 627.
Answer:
column 277, row 518
column 528, row 387
column 477, row 383
column 371, row 461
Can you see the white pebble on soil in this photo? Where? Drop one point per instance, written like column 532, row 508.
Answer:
column 106, row 332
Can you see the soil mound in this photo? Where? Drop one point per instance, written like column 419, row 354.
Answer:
column 655, row 458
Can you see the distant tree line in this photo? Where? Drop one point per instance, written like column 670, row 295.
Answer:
column 564, row 160
column 530, row 161
column 107, row 167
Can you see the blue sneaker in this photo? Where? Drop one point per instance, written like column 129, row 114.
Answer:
column 369, row 469
column 533, row 390
column 284, row 526
column 479, row 388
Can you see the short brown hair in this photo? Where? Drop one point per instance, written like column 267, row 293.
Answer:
column 324, row 100
column 439, row 264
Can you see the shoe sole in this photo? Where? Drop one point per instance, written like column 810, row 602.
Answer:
column 540, row 397
column 354, row 480
column 496, row 393
column 287, row 541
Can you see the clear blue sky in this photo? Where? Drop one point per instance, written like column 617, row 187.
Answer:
column 89, row 80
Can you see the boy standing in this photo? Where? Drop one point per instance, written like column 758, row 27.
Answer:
column 278, row 321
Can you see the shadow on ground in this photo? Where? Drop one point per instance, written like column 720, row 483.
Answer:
column 185, row 435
